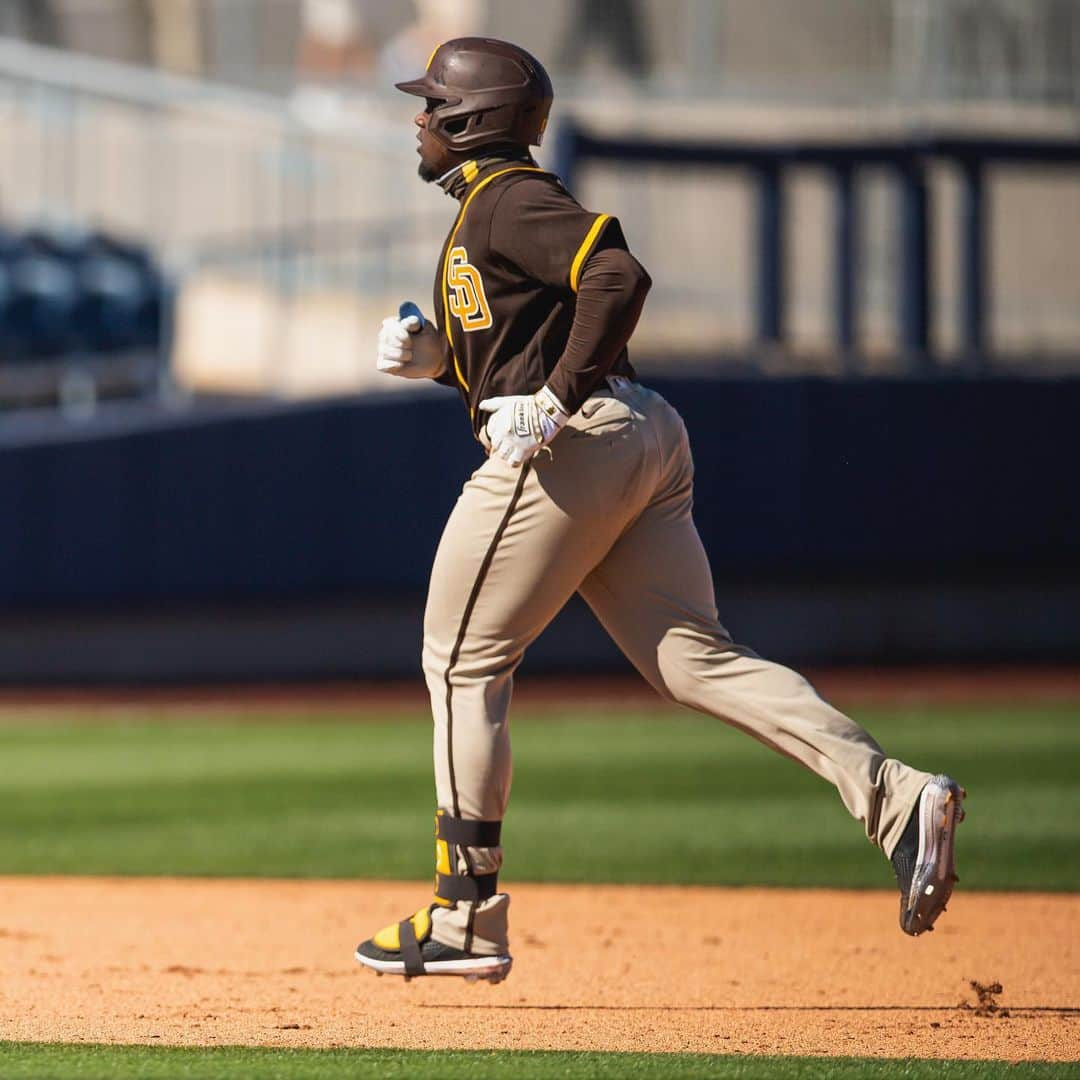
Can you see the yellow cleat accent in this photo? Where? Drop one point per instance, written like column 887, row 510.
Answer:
column 389, row 939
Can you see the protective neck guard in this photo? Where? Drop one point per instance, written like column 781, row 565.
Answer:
column 457, row 181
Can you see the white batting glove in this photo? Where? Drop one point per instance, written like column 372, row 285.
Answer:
column 521, row 425
column 410, row 349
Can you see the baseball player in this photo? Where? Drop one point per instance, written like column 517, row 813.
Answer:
column 587, row 487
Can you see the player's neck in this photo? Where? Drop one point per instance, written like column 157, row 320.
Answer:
column 459, row 179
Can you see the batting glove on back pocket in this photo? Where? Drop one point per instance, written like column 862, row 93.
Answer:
column 410, row 347
column 521, row 425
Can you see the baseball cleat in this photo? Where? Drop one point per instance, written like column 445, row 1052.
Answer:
column 924, row 860
column 407, row 949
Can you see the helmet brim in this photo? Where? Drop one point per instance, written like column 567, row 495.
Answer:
column 426, row 88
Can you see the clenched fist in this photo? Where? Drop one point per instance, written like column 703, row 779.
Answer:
column 410, row 348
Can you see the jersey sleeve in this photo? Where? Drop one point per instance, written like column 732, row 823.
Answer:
column 540, row 228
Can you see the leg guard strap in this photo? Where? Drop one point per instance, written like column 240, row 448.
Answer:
column 460, row 887
column 410, row 948
column 450, row 886
column 467, row 833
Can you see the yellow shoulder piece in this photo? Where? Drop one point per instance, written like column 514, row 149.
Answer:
column 586, row 247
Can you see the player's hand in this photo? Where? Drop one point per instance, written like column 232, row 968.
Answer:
column 410, row 347
column 520, row 426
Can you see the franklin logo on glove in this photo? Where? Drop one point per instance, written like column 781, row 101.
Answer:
column 519, row 427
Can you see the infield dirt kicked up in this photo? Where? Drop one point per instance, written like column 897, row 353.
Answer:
column 269, row 963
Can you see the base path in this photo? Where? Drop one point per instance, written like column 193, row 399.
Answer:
column 269, row 963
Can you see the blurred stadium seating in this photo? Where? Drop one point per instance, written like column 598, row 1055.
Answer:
column 70, row 292
column 78, row 310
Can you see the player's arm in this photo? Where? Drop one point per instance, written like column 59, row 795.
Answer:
column 611, row 290
column 544, row 232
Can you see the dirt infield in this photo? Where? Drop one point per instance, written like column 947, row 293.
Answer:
column 269, row 963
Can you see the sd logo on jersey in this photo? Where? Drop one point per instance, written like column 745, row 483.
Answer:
column 466, row 298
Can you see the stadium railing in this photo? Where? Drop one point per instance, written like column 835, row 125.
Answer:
column 907, row 159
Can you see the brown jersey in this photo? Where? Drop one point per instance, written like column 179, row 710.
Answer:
column 506, row 288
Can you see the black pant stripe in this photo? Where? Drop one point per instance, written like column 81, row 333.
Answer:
column 474, row 594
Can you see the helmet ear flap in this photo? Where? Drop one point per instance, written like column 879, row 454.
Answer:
column 464, row 132
column 456, row 132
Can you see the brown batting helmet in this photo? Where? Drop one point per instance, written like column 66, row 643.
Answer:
column 490, row 92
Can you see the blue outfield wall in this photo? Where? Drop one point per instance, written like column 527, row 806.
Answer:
column 831, row 485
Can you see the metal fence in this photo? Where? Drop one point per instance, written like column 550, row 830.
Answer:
column 997, row 50
column 210, row 178
column 180, row 162
column 852, row 51
column 907, row 161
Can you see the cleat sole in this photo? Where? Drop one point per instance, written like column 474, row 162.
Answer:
column 940, row 811
column 492, row 969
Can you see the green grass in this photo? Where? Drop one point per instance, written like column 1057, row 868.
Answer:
column 24, row 1060
column 636, row 797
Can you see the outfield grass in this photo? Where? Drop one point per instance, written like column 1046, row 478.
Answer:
column 24, row 1060
column 646, row 797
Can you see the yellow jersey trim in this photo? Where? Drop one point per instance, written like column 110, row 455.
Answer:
column 586, row 246
column 469, row 171
column 450, row 247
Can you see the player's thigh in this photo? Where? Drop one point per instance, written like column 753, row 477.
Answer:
column 653, row 592
column 509, row 558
